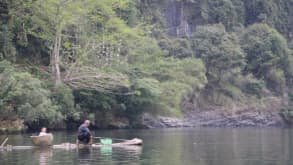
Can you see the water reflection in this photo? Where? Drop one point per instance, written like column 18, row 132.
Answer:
column 203, row 146
column 44, row 154
column 219, row 146
column 84, row 156
column 106, row 150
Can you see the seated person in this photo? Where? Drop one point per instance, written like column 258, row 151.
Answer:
column 43, row 131
column 84, row 134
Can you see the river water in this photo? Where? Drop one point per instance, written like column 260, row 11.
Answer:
column 199, row 146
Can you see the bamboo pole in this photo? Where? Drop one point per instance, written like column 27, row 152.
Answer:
column 4, row 142
column 110, row 138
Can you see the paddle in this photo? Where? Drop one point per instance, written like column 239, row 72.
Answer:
column 97, row 137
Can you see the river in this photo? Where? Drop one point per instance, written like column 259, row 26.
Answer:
column 197, row 146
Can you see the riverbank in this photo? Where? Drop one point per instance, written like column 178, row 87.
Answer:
column 267, row 115
column 11, row 126
column 248, row 115
column 211, row 118
column 217, row 119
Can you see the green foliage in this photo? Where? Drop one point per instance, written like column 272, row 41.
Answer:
column 267, row 55
column 287, row 114
column 144, row 99
column 219, row 50
column 222, row 11
column 169, row 80
column 275, row 13
column 64, row 99
column 7, row 49
column 250, row 85
column 23, row 96
column 276, row 80
column 117, row 57
column 147, row 87
column 161, row 83
column 92, row 101
column 260, row 11
column 178, row 48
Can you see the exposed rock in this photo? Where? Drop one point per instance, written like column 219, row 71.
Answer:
column 241, row 116
column 104, row 120
column 150, row 121
column 119, row 123
column 241, row 119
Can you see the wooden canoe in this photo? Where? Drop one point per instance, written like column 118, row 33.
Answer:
column 45, row 140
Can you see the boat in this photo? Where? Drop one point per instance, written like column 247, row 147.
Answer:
column 127, row 144
column 44, row 140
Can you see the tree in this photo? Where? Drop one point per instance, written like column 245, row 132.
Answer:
column 268, row 56
column 7, row 49
column 219, row 50
column 23, row 96
column 178, row 48
column 222, row 11
column 259, row 10
column 162, row 82
column 75, row 39
column 49, row 20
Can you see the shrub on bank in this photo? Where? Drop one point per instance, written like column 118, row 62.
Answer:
column 24, row 97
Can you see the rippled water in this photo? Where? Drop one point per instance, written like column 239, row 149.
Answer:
column 201, row 146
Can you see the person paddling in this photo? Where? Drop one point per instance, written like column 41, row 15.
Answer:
column 84, row 133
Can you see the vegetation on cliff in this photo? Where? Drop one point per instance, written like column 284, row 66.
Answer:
column 108, row 60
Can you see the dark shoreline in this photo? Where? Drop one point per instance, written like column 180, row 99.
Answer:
column 257, row 119
column 191, row 119
column 162, row 126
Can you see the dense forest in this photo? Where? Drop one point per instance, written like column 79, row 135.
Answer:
column 111, row 61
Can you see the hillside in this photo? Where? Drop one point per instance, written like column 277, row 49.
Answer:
column 113, row 61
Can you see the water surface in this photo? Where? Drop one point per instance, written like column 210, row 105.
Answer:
column 200, row 146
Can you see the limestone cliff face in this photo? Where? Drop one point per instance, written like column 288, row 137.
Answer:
column 182, row 17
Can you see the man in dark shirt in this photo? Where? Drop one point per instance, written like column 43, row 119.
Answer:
column 84, row 133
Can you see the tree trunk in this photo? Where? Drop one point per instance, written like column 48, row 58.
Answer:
column 55, row 59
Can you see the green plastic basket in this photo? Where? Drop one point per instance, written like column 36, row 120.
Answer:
column 106, row 141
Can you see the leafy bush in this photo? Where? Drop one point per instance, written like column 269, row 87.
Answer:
column 23, row 96
column 220, row 51
column 7, row 49
column 268, row 56
column 178, row 48
column 287, row 114
column 63, row 97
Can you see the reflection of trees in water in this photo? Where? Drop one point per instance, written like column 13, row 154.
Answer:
column 110, row 155
column 130, row 154
column 44, row 155
column 84, row 156
column 242, row 146
column 221, row 146
column 204, row 146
